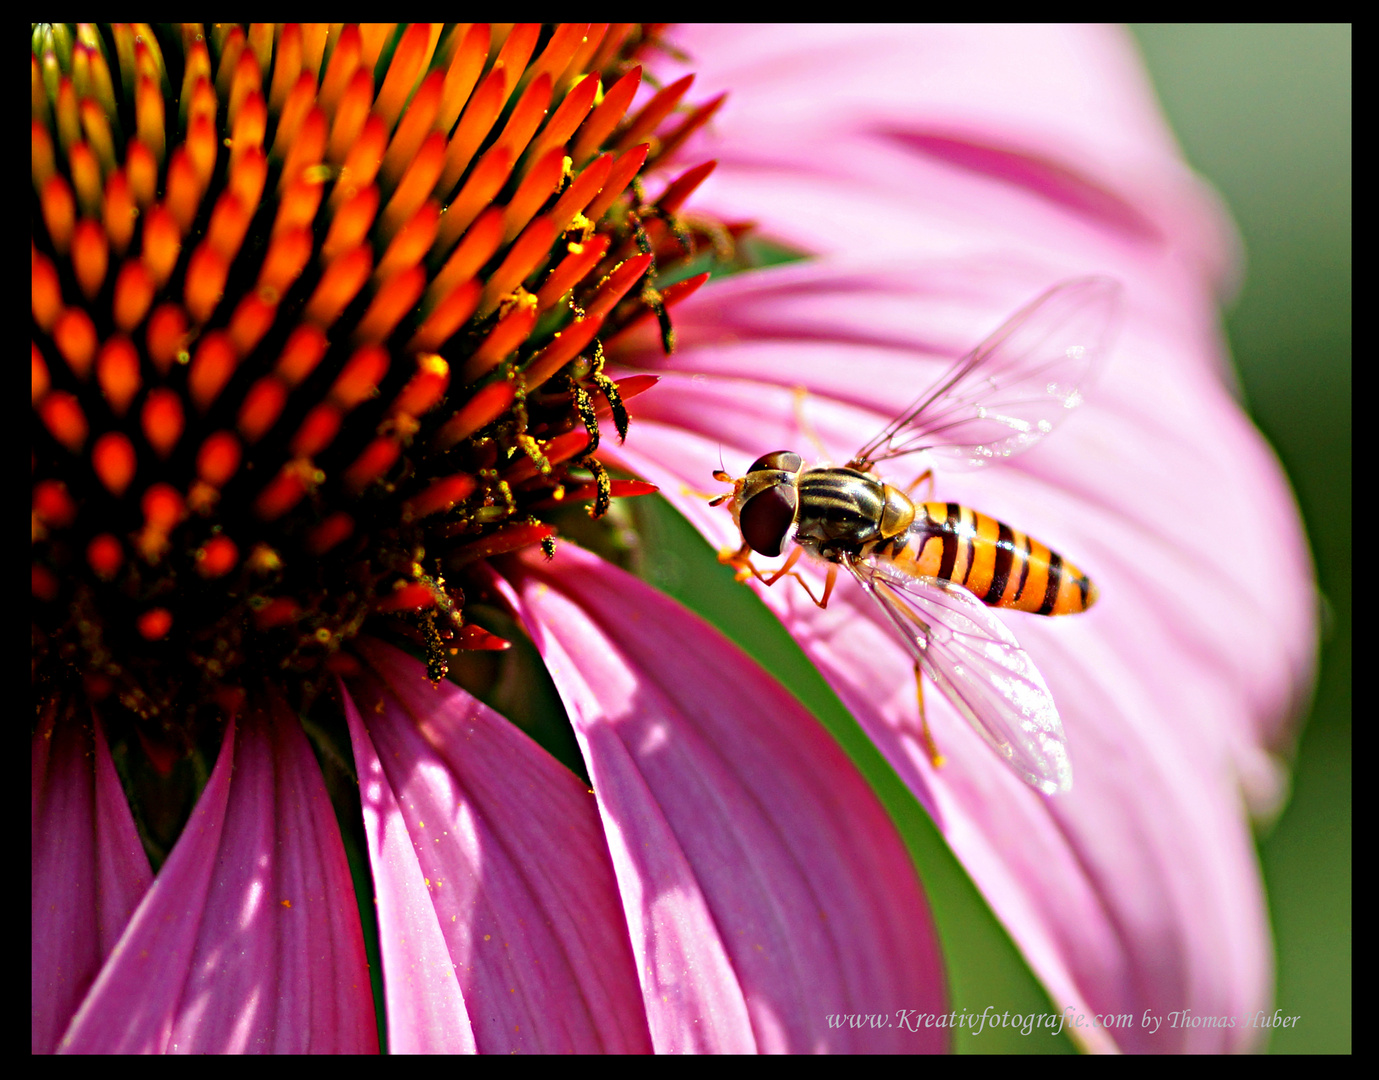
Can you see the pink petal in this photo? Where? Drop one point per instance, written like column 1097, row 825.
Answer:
column 764, row 885
column 498, row 915
column 89, row 870
column 879, row 140
column 1157, row 416
column 249, row 938
column 1140, row 890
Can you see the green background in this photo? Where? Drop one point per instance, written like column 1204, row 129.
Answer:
column 1263, row 112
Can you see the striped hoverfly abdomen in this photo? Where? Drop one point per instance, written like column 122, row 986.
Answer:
column 1001, row 566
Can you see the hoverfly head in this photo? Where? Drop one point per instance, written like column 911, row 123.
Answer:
column 765, row 500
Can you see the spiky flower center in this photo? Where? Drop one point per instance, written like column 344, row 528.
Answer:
column 317, row 324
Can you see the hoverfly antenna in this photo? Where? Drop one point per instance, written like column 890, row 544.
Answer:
column 721, row 475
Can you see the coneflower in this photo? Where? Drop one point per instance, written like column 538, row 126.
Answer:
column 317, row 323
column 318, row 328
column 718, row 876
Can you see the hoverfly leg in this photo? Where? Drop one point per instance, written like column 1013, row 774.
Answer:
column 791, row 560
column 829, row 582
column 741, row 562
column 802, row 422
column 927, row 474
column 935, row 757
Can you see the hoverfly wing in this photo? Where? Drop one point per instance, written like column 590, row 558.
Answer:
column 1012, row 389
column 972, row 657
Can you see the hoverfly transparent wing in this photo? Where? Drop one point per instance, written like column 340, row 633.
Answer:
column 1012, row 389
column 972, row 657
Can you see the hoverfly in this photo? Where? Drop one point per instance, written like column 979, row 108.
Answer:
column 936, row 569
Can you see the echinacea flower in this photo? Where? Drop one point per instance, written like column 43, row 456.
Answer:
column 731, row 881
column 317, row 325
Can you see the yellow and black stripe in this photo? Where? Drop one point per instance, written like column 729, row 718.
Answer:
column 999, row 565
column 839, row 508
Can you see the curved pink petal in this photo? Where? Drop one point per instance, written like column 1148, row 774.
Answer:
column 498, row 916
column 89, row 870
column 1140, row 890
column 1158, row 439
column 764, row 886
column 249, row 938
column 944, row 172
column 884, row 140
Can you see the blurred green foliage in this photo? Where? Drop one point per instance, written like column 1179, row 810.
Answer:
column 1264, row 113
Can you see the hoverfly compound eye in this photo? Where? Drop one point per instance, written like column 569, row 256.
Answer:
column 784, row 460
column 766, row 518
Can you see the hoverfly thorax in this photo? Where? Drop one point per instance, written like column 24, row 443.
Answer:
column 842, row 510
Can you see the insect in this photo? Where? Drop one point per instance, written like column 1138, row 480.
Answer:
column 938, row 569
